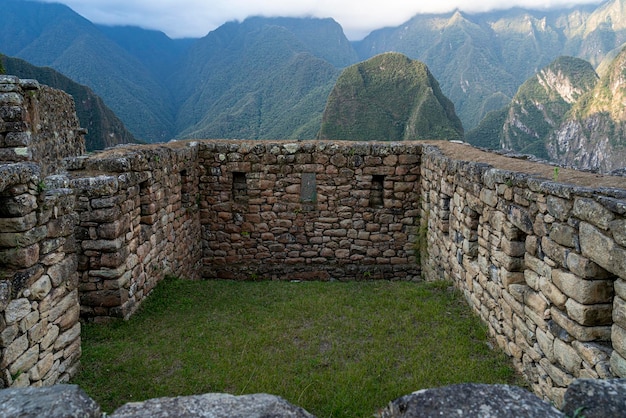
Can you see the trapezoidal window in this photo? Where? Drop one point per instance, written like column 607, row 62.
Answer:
column 376, row 191
column 240, row 187
column 308, row 191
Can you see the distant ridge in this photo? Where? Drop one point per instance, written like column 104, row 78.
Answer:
column 104, row 129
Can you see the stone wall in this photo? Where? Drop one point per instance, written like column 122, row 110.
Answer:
column 138, row 222
column 542, row 263
column 39, row 311
column 309, row 210
column 38, row 124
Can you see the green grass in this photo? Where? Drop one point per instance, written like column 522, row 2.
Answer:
column 336, row 349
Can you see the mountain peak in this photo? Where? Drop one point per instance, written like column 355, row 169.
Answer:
column 389, row 97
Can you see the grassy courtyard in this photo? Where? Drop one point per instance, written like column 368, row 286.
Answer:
column 336, row 349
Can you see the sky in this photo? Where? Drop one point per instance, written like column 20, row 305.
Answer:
column 196, row 18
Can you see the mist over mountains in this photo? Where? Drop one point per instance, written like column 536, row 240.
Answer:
column 272, row 77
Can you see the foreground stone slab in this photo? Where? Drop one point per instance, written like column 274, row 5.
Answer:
column 593, row 398
column 59, row 401
column 470, row 400
column 213, row 405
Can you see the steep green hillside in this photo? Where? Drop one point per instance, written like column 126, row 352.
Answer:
column 389, row 97
column 539, row 107
column 253, row 80
column 593, row 133
column 158, row 53
column 481, row 59
column 104, row 129
column 53, row 35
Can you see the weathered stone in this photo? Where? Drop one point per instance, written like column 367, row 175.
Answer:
column 559, row 208
column 59, row 401
column 595, row 398
column 14, row 350
column 558, row 375
column 566, row 356
column 40, row 288
column 215, row 405
column 586, row 292
column 564, row 235
column 16, row 310
column 580, row 332
column 520, row 218
column 67, row 337
column 584, row 267
column 592, row 212
column 25, row 361
column 552, row 292
column 618, row 228
column 554, row 251
column 470, row 400
column 589, row 315
column 602, row 250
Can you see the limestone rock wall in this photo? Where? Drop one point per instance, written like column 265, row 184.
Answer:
column 542, row 263
column 309, row 210
column 138, row 222
column 38, row 124
column 39, row 310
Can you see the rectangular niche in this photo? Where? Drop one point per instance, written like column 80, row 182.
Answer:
column 240, row 187
column 376, row 191
column 308, row 191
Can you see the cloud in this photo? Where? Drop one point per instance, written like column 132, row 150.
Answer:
column 195, row 18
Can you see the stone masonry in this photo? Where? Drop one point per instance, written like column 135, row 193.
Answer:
column 39, row 327
column 542, row 263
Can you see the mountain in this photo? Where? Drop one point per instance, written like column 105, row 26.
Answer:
column 104, row 129
column 538, row 107
column 565, row 114
column 593, row 133
column 53, row 35
column 389, row 97
column 271, row 77
column 261, row 78
column 481, row 59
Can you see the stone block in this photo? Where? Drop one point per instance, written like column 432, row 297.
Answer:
column 618, row 364
column 592, row 353
column 618, row 229
column 520, row 217
column 589, row 315
column 586, row 292
column 585, row 268
column 597, row 246
column 536, row 302
column 546, row 343
column 559, row 208
column 559, row 377
column 552, row 293
column 25, row 361
column 580, row 332
column 618, row 339
column 16, row 310
column 567, row 356
column 470, row 400
column 591, row 211
column 52, row 402
column 537, row 265
column 14, row 350
column 554, row 251
column 564, row 234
